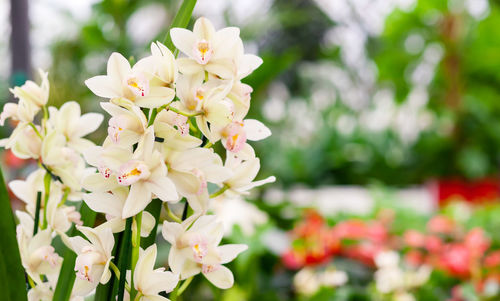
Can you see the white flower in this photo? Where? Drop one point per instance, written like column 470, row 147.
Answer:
column 37, row 255
column 111, row 204
column 207, row 50
column 150, row 282
column 23, row 142
column 244, row 172
column 69, row 122
column 164, row 67
column 235, row 134
column 94, row 255
column 32, row 93
column 196, row 249
column 130, row 86
column 126, row 127
column 174, row 130
column 63, row 160
column 190, row 170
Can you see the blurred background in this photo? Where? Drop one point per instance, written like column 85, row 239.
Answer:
column 386, row 135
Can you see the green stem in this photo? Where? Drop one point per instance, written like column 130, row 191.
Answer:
column 117, row 274
column 46, row 184
column 184, row 285
column 136, row 242
column 36, row 130
column 36, row 224
column 220, row 191
column 174, row 217
column 208, row 145
column 184, row 113
column 154, row 112
column 138, row 296
column 125, row 261
column 65, row 197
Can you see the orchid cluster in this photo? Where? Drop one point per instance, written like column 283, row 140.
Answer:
column 167, row 115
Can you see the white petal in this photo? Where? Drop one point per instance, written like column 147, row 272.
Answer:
column 138, row 198
column 102, row 86
column 224, row 68
column 188, row 66
column 88, row 123
column 104, row 202
column 255, row 130
column 203, row 29
column 148, row 224
column 222, row 277
column 183, row 40
column 118, row 68
column 157, row 97
column 171, row 231
column 163, row 188
column 229, row 252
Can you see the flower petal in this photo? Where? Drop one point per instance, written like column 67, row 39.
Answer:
column 163, row 188
column 255, row 130
column 183, row 40
column 138, row 198
column 222, row 277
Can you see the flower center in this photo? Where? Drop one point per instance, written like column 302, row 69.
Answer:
column 203, row 52
column 138, row 84
column 132, row 172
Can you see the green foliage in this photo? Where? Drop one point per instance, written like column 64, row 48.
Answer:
column 12, row 278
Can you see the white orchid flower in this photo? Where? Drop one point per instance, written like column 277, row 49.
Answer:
column 235, row 134
column 125, row 126
column 23, row 112
column 69, row 122
column 38, row 257
column 62, row 160
column 143, row 170
column 174, row 130
column 240, row 96
column 164, row 67
column 111, row 204
column 245, row 170
column 23, row 142
column 196, row 249
column 130, row 86
column 94, row 255
column 33, row 93
column 191, row 170
column 207, row 49
column 149, row 282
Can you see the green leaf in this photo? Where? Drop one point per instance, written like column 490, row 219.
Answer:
column 154, row 208
column 12, row 280
column 67, row 274
column 124, row 257
column 181, row 20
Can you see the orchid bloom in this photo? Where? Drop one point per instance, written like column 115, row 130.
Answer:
column 144, row 171
column 174, row 130
column 164, row 66
column 130, row 86
column 111, row 204
column 69, row 122
column 94, row 255
column 63, row 160
column 125, row 126
column 245, row 170
column 190, row 170
column 149, row 282
column 235, row 134
column 23, row 142
column 196, row 249
column 30, row 92
column 38, row 257
column 207, row 49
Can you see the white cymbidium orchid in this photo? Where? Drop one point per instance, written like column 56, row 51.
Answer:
column 174, row 130
column 125, row 126
column 245, row 169
column 94, row 255
column 128, row 86
column 149, row 282
column 33, row 93
column 235, row 135
column 69, row 122
column 143, row 170
column 207, row 49
column 24, row 142
column 196, row 249
column 163, row 65
column 38, row 257
column 63, row 160
column 191, row 170
column 111, row 204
